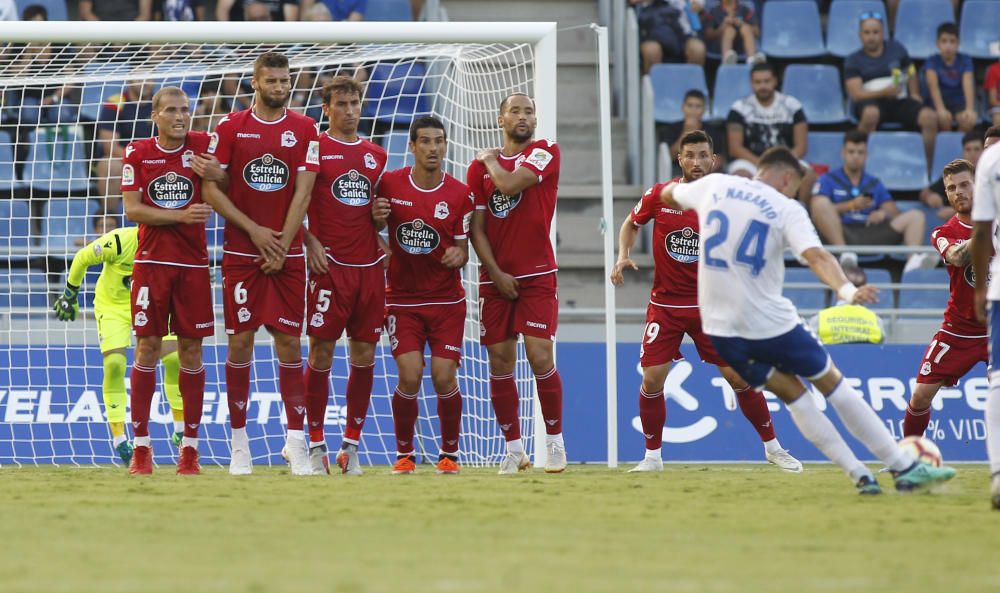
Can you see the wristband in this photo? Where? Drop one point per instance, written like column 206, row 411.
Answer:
column 847, row 292
column 71, row 291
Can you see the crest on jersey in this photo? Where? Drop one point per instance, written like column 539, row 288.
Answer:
column 317, row 320
column 213, row 142
column 266, row 173
column 417, row 237
column 128, row 175
column 441, row 211
column 140, row 319
column 243, row 315
column 288, row 139
column 539, row 158
column 942, row 244
column 501, row 205
column 186, row 159
column 682, row 245
column 370, row 161
column 970, row 276
column 352, row 189
column 925, row 369
column 312, row 154
column 171, row 191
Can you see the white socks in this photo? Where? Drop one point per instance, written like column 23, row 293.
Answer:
column 298, row 435
column 142, row 441
column 515, row 446
column 816, row 427
column 654, row 454
column 240, row 440
column 554, row 439
column 189, row 442
column 993, row 424
column 772, row 446
column 178, row 426
column 119, row 440
column 862, row 421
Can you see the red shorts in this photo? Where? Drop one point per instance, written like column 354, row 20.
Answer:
column 665, row 328
column 949, row 358
column 172, row 299
column 346, row 297
column 535, row 312
column 251, row 298
column 441, row 326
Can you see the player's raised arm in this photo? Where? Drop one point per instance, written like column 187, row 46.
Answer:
column 101, row 250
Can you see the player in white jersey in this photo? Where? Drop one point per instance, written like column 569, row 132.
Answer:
column 984, row 215
column 746, row 226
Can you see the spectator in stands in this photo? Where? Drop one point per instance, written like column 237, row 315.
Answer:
column 880, row 79
column 340, row 10
column 763, row 119
column 992, row 137
column 8, row 10
column 932, row 196
column 35, row 12
column 992, row 88
column 730, row 28
column 950, row 80
column 318, row 12
column 179, row 10
column 123, row 118
column 665, row 33
column 237, row 10
column 115, row 10
column 892, row 6
column 102, row 224
column 851, row 207
column 693, row 108
column 845, row 323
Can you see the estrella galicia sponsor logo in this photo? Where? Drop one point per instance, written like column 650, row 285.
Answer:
column 171, row 191
column 352, row 189
column 417, row 237
column 501, row 205
column 682, row 245
column 266, row 173
column 970, row 277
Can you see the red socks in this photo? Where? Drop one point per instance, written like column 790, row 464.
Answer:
column 143, row 382
column 503, row 394
column 652, row 415
column 550, row 396
column 359, row 394
column 192, row 386
column 404, row 419
column 293, row 393
column 317, row 396
column 237, row 392
column 915, row 422
column 449, row 410
column 754, row 408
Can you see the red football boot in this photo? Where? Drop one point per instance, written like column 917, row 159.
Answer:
column 187, row 465
column 142, row 461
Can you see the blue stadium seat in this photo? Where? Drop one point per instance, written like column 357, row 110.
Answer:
column 805, row 298
column 389, row 10
column 66, row 221
column 916, row 25
column 881, row 276
column 825, row 149
column 395, row 93
column 23, row 287
column 396, row 144
column 791, row 30
column 897, row 158
column 925, row 298
column 842, row 24
column 732, row 82
column 978, row 28
column 15, row 228
column 818, row 87
column 947, row 147
column 55, row 8
column 8, row 177
column 57, row 160
column 670, row 83
column 95, row 94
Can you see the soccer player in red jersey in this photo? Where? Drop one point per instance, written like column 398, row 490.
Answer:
column 427, row 213
column 346, row 281
column 272, row 155
column 171, row 286
column 673, row 309
column 962, row 340
column 515, row 190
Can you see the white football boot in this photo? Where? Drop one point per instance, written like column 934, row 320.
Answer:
column 783, row 459
column 513, row 463
column 556, row 459
column 297, row 454
column 239, row 464
column 648, row 464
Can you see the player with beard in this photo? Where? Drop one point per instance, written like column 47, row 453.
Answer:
column 272, row 155
column 673, row 309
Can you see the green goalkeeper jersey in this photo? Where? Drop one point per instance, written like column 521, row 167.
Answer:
column 116, row 250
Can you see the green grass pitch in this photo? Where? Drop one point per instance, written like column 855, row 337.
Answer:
column 693, row 528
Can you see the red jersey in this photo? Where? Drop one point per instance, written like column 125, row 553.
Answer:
column 960, row 316
column 423, row 223
column 518, row 226
column 164, row 179
column 340, row 212
column 675, row 249
column 263, row 159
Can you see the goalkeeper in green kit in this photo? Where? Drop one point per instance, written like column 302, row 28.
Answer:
column 113, row 310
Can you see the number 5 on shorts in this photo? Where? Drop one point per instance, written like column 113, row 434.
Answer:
column 323, row 300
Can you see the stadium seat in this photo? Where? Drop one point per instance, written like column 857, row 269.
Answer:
column 56, row 160
column 881, row 276
column 389, row 10
column 978, row 28
column 66, row 221
column 8, row 176
column 805, row 298
column 818, row 88
column 396, row 144
column 916, row 25
column 925, row 298
column 947, row 147
column 791, row 30
column 23, row 287
column 56, row 8
column 95, row 93
column 670, row 83
column 15, row 229
column 842, row 24
column 395, row 93
column 732, row 82
column 825, row 148
column 897, row 158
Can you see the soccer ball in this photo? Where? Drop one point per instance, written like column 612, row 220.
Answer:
column 923, row 449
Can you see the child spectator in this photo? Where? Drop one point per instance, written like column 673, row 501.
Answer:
column 950, row 82
column 731, row 28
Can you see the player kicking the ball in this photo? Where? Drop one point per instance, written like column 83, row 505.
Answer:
column 427, row 213
column 272, row 155
column 741, row 267
column 673, row 310
column 171, row 284
column 346, row 281
column 961, row 342
column 515, row 189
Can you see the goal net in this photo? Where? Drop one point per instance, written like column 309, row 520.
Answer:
column 71, row 102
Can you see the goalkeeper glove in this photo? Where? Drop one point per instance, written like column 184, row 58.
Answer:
column 66, row 306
